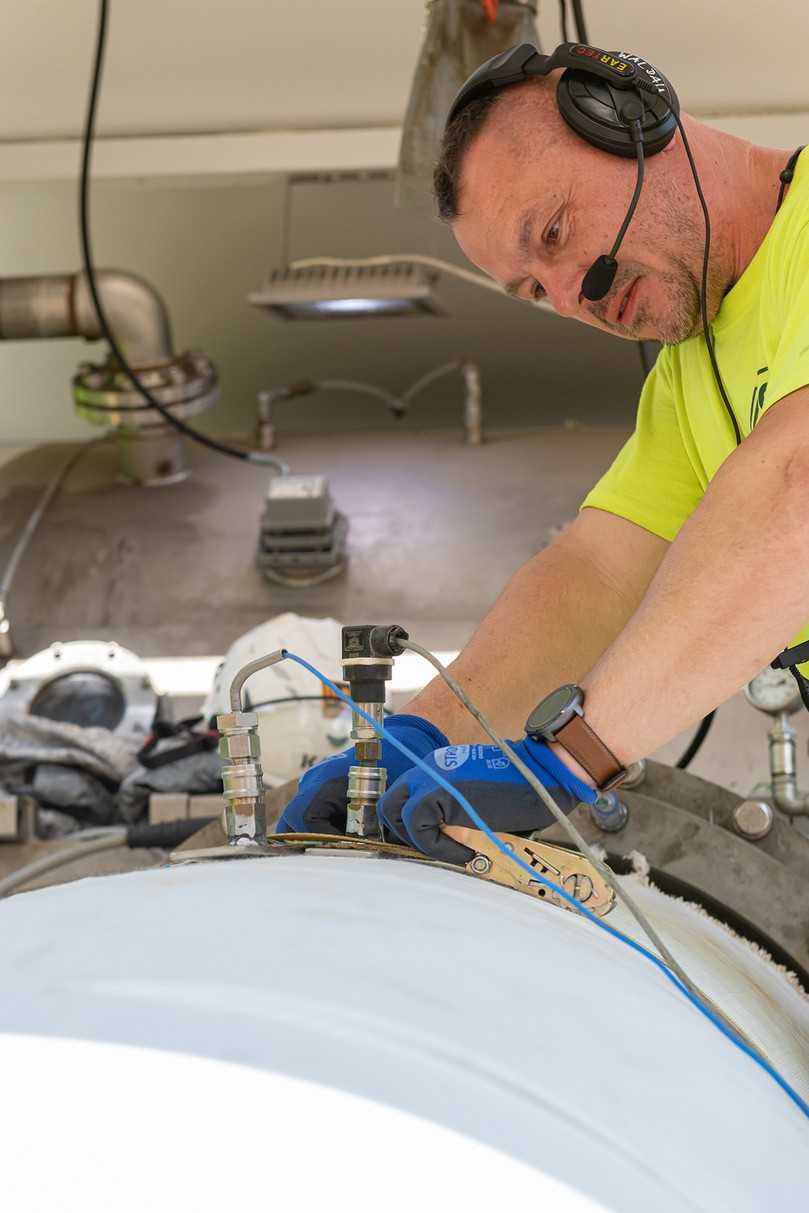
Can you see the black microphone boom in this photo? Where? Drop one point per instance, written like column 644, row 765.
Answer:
column 599, row 278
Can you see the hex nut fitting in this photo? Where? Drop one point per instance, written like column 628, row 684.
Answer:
column 240, row 745
column 231, row 722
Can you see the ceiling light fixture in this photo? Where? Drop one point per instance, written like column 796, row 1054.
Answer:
column 323, row 291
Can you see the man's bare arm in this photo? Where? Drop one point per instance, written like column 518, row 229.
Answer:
column 732, row 591
column 550, row 625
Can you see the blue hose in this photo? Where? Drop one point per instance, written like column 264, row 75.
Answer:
column 573, row 902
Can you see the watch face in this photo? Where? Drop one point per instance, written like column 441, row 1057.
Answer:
column 555, row 710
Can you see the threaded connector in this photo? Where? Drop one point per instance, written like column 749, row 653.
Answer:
column 242, row 783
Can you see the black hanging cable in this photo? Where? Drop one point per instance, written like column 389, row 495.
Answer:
column 648, row 351
column 803, row 686
column 695, row 744
column 563, row 20
column 786, row 175
column 578, row 18
column 89, row 267
column 704, row 728
column 703, row 299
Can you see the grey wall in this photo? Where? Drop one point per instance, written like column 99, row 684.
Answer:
column 205, row 245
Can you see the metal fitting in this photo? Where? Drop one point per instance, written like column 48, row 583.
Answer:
column 480, row 865
column 635, row 774
column 609, row 813
column 786, row 794
column 753, row 819
column 243, row 787
column 366, row 785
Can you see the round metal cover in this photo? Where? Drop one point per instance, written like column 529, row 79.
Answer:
column 83, row 697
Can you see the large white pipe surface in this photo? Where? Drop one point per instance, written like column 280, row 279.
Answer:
column 474, row 1009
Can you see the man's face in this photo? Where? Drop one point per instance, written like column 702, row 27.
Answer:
column 535, row 218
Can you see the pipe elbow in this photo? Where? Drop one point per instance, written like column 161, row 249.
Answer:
column 136, row 314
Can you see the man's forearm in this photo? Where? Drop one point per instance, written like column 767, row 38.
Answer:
column 550, row 625
column 730, row 594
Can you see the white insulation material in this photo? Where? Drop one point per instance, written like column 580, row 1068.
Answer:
column 486, row 1029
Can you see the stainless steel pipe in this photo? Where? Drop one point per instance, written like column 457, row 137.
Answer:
column 60, row 305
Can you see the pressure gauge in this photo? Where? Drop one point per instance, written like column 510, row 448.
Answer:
column 773, row 691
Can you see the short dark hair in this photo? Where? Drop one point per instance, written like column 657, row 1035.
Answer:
column 455, row 143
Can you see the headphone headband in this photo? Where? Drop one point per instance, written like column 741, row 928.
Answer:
column 523, row 62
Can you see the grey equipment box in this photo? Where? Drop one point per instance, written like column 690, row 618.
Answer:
column 300, row 527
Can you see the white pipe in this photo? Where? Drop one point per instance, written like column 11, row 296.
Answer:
column 483, row 1012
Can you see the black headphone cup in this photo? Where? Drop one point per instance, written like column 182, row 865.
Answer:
column 601, row 114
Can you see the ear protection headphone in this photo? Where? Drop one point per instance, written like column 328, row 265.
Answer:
column 617, row 102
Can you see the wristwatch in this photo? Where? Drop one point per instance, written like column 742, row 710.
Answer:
column 560, row 717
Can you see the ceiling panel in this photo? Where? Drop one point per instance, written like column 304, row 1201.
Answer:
column 224, row 65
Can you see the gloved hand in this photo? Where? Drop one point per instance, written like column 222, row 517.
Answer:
column 415, row 807
column 319, row 806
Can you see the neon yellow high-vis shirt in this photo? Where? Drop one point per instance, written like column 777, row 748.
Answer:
column 683, row 433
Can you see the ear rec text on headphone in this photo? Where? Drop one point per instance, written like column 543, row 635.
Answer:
column 616, row 101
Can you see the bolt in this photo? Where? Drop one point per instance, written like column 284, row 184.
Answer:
column 635, row 774
column 753, row 819
column 480, row 865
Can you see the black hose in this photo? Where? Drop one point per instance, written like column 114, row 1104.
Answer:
column 563, row 20
column 89, row 267
column 803, row 686
column 648, row 351
column 165, row 834
column 695, row 745
column 578, row 18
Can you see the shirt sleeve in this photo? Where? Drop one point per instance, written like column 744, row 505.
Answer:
column 789, row 309
column 652, row 481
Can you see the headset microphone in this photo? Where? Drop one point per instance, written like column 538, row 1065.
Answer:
column 601, row 274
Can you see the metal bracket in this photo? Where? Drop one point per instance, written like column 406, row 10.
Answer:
column 567, row 868
column 572, row 871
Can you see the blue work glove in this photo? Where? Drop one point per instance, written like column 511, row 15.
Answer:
column 319, row 806
column 415, row 807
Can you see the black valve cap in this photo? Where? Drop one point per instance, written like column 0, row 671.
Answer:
column 369, row 640
column 385, row 641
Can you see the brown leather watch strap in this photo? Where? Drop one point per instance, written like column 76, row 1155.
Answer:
column 590, row 752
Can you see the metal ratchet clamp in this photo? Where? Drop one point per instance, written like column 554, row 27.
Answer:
column 566, row 868
column 572, row 871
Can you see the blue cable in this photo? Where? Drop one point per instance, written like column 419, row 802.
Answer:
column 573, row 902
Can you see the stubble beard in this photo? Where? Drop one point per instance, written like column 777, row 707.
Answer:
column 681, row 315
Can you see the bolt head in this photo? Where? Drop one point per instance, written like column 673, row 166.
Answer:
column 753, row 819
column 481, row 864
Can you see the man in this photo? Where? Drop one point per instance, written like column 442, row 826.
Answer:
column 658, row 600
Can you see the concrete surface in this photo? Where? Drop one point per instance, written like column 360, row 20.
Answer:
column 437, row 528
